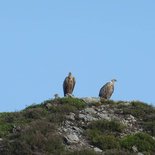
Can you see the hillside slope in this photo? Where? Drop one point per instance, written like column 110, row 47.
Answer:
column 72, row 126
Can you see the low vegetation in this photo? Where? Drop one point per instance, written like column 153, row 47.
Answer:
column 143, row 112
column 33, row 131
column 105, row 134
column 143, row 142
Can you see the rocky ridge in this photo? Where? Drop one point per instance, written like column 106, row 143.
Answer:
column 77, row 126
column 74, row 126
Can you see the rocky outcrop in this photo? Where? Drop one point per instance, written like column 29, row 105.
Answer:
column 80, row 126
column 75, row 124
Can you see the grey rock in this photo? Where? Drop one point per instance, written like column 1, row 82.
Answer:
column 82, row 116
column 87, row 117
column 96, row 149
column 126, row 103
column 132, row 118
column 90, row 118
column 71, row 116
column 68, row 123
column 71, row 138
column 139, row 153
column 90, row 111
column 91, row 99
column 78, row 130
column 16, row 129
column 64, row 129
column 125, row 122
column 104, row 116
column 48, row 105
column 134, row 148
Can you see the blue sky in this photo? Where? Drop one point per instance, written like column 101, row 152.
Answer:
column 41, row 41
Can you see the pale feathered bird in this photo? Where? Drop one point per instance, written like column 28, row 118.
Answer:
column 68, row 85
column 107, row 90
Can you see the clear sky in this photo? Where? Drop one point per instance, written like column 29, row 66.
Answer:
column 96, row 40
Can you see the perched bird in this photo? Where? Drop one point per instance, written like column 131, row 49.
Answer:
column 68, row 85
column 107, row 90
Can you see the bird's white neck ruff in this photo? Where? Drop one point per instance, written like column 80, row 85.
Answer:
column 112, row 82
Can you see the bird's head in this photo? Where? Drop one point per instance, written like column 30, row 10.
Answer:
column 70, row 74
column 113, row 80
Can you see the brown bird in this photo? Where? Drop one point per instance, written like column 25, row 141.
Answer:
column 107, row 90
column 68, row 85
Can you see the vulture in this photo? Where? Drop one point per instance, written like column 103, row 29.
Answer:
column 107, row 90
column 68, row 85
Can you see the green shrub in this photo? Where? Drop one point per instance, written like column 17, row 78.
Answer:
column 6, row 126
column 148, row 123
column 110, row 102
column 5, row 129
column 149, row 127
column 64, row 108
column 106, row 126
column 103, row 141
column 142, row 141
column 34, row 105
column 138, row 109
column 34, row 113
column 109, row 142
column 118, row 152
column 56, row 118
column 78, row 103
column 105, row 134
column 39, row 135
column 145, row 114
column 82, row 152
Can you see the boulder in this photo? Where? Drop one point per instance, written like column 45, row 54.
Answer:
column 71, row 138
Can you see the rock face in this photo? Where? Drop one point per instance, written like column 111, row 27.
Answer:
column 74, row 126
column 71, row 138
